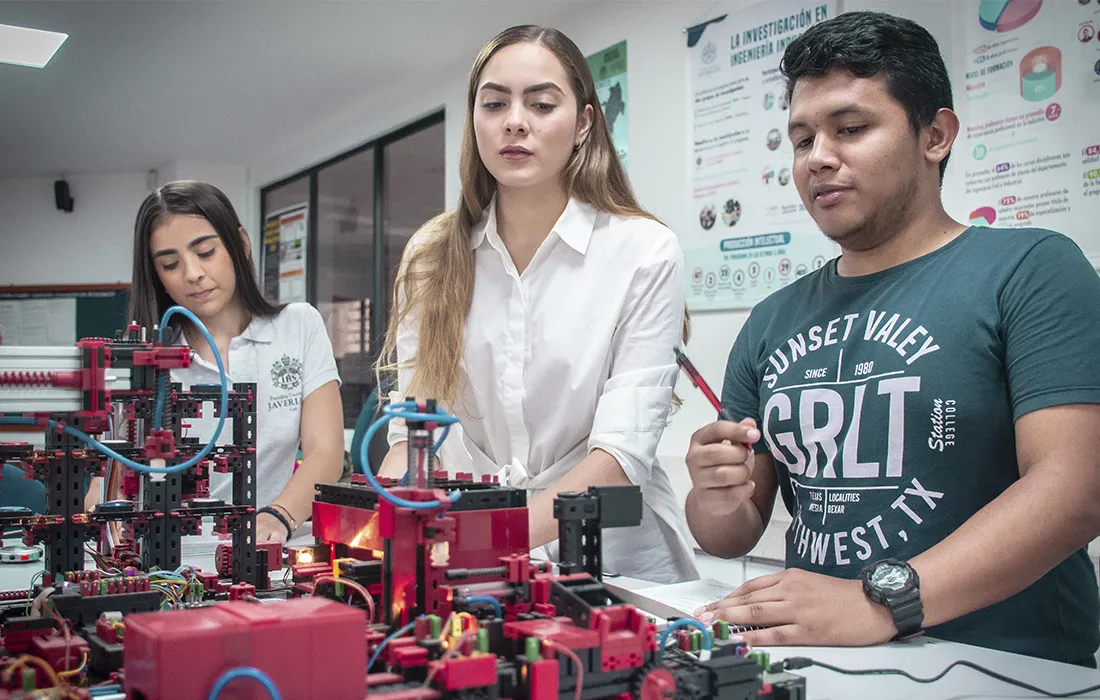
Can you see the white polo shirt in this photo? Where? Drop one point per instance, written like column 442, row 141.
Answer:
column 288, row 357
column 573, row 354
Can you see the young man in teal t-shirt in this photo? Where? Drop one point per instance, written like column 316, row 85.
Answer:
column 927, row 404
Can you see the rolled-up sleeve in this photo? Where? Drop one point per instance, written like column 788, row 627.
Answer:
column 633, row 408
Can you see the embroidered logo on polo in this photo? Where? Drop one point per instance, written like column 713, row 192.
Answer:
column 840, row 400
column 286, row 373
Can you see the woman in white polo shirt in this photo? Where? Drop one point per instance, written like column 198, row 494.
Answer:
column 191, row 250
column 544, row 311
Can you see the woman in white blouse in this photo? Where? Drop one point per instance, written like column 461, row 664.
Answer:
column 543, row 312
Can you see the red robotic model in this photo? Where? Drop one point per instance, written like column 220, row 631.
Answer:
column 71, row 395
column 463, row 611
column 466, row 613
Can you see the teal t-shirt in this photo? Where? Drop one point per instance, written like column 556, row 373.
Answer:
column 888, row 402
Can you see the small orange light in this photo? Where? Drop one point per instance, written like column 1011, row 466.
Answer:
column 305, row 557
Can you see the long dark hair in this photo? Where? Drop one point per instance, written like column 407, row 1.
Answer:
column 148, row 298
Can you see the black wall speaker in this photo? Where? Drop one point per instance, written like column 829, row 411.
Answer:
column 62, row 197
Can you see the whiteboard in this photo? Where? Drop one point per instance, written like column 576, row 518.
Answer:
column 38, row 321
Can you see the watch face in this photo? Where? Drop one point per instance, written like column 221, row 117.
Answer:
column 890, row 577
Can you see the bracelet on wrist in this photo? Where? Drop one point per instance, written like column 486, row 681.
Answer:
column 278, row 516
column 286, row 511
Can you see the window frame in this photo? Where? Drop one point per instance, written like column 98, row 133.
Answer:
column 379, row 312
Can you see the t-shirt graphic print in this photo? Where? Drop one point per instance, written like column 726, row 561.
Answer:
column 888, row 403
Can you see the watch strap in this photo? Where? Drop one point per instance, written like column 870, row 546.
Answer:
column 908, row 613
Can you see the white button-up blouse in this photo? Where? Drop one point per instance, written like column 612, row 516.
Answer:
column 574, row 354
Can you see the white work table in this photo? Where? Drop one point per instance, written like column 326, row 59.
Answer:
column 925, row 658
column 922, row 657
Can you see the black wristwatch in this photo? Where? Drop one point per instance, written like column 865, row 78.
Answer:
column 895, row 584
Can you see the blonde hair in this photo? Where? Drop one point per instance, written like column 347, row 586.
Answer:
column 436, row 278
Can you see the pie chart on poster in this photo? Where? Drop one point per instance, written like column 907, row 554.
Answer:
column 1006, row 15
column 983, row 216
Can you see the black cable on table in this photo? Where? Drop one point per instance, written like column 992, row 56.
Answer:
column 797, row 662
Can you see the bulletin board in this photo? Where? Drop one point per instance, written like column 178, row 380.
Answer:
column 59, row 315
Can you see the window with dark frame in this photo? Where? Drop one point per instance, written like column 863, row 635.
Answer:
column 363, row 206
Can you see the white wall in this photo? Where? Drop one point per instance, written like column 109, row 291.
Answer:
column 94, row 244
column 230, row 179
column 41, row 245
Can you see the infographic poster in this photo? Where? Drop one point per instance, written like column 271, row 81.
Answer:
column 609, row 71
column 1030, row 140
column 750, row 233
column 285, row 254
column 270, row 258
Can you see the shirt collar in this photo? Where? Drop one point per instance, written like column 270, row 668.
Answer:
column 574, row 227
column 488, row 221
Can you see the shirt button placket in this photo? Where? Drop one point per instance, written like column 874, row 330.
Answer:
column 516, row 342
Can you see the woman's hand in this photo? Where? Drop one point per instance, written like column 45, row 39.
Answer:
column 269, row 529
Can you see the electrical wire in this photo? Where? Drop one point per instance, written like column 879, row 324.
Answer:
column 489, row 600
column 37, row 663
column 167, row 592
column 183, row 466
column 386, row 641
column 63, row 625
column 465, row 616
column 353, row 586
column 448, row 627
column 36, row 606
column 797, row 662
column 708, row 637
column 189, row 569
column 408, row 411
column 30, row 590
column 576, row 662
column 244, row 672
column 454, row 649
column 76, row 671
